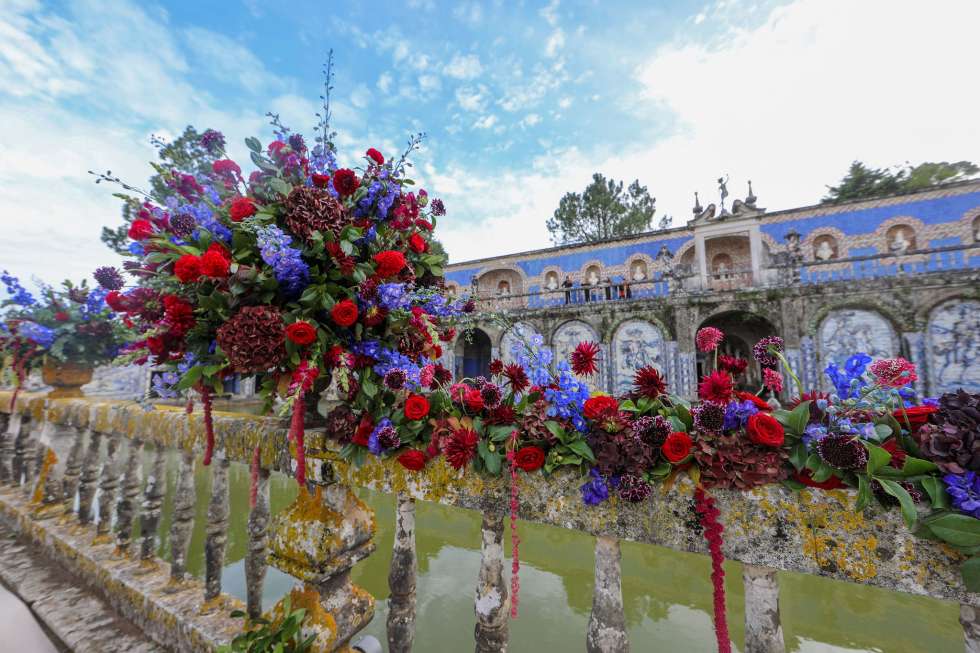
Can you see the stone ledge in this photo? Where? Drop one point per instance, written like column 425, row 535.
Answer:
column 170, row 616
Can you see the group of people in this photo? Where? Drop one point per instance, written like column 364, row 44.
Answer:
column 592, row 289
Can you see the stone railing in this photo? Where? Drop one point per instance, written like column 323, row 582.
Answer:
column 57, row 454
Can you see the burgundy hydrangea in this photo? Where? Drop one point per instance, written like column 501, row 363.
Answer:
column 254, row 340
column 310, row 210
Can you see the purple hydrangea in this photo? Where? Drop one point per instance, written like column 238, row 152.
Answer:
column 39, row 334
column 737, row 413
column 391, row 296
column 964, row 490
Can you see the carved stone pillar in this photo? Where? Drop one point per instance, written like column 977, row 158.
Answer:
column 401, row 579
column 607, row 623
column 128, row 506
column 318, row 539
column 7, row 445
column 57, row 443
column 492, row 602
column 183, row 519
column 217, row 531
column 20, row 456
column 258, row 544
column 763, row 630
column 970, row 620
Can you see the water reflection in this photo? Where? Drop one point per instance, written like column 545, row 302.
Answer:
column 667, row 595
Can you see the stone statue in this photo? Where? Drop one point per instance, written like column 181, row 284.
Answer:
column 593, row 278
column 552, row 283
column 900, row 244
column 503, row 289
column 723, row 191
column 824, row 251
column 639, row 274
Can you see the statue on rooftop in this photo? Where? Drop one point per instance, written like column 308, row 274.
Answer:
column 723, row 190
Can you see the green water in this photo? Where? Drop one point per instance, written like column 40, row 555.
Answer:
column 667, row 595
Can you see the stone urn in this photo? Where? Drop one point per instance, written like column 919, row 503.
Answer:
column 66, row 377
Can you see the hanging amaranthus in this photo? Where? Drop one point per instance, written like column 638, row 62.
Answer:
column 302, row 382
column 709, row 513
column 515, row 540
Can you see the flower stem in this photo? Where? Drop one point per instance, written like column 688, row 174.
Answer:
column 789, row 370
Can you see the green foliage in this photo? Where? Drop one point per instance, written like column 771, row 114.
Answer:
column 604, row 210
column 266, row 637
column 862, row 182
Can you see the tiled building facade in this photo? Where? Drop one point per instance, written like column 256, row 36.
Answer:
column 891, row 276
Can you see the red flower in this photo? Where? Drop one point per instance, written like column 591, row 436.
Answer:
column 61, row 316
column 241, row 208
column 583, row 358
column 677, row 447
column 188, row 268
column 898, row 454
column 717, row 388
column 178, row 314
column 516, row 377
column 461, row 447
column 301, row 333
column 732, row 364
column 763, row 429
column 473, row 399
column 772, row 379
column 529, row 458
column 893, row 372
column 418, row 244
column 320, row 181
column 214, row 264
column 759, row 402
column 345, row 182
column 155, row 344
column 496, row 366
column 708, row 338
column 648, row 382
column 389, row 262
column 344, row 313
column 917, row 415
column 116, row 301
column 412, row 460
column 805, row 476
column 140, row 229
column 416, row 407
column 363, row 431
column 600, row 406
column 375, row 156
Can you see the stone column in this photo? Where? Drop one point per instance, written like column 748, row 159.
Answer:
column 183, row 519
column 217, row 531
column 7, row 430
column 90, row 475
column 153, row 493
column 492, row 604
column 808, row 356
column 701, row 255
column 128, row 506
column 258, row 542
column 607, row 623
column 755, row 254
column 763, row 630
column 57, row 442
column 318, row 539
column 970, row 620
column 108, row 486
column 21, row 437
column 401, row 579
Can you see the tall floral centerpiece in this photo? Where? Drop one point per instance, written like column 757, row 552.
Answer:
column 65, row 332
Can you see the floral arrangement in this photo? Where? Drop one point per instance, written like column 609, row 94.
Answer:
column 70, row 325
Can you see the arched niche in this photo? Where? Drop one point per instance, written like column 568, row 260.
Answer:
column 847, row 331
column 473, row 353
column 900, row 238
column 825, row 248
column 567, row 337
column 953, row 341
column 636, row 344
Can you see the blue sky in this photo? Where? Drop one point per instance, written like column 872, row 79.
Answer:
column 521, row 101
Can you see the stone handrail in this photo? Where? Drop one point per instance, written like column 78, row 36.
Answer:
column 325, row 532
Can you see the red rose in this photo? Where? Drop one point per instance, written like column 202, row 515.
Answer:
column 61, row 316
column 344, row 313
column 599, row 406
column 529, row 458
column 301, row 333
column 473, row 400
column 242, row 208
column 220, row 249
column 214, row 264
column 320, row 181
column 140, row 229
column 917, row 415
column 417, row 243
column 375, row 156
column 765, row 430
column 116, row 301
column 755, row 399
column 677, row 446
column 188, row 268
column 345, row 182
column 389, row 263
column 805, row 476
column 412, row 460
column 416, row 407
column 363, row 431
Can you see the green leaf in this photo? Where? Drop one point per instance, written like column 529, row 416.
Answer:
column 936, row 490
column 799, row 418
column 864, row 493
column 677, row 424
column 582, row 448
column 369, row 388
column 877, row 457
column 556, row 429
column 900, row 493
column 822, row 472
column 281, row 186
column 917, row 466
column 500, row 433
column 798, row 456
column 684, row 415
column 971, row 574
column 190, row 377
column 958, row 530
column 882, row 431
column 253, row 144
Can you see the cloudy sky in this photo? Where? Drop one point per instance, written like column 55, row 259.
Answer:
column 521, row 101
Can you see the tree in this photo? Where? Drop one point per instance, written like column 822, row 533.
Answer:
column 187, row 154
column 862, row 182
column 604, row 210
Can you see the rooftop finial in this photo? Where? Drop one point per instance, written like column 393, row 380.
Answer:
column 697, row 204
column 750, row 198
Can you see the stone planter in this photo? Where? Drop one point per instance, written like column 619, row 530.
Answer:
column 66, row 378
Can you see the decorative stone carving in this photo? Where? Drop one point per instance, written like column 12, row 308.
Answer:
column 953, row 342
column 847, row 331
column 636, row 344
column 565, row 340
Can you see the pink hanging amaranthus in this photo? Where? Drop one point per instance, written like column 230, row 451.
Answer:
column 303, row 379
column 20, row 370
column 515, row 540
column 709, row 513
column 208, row 425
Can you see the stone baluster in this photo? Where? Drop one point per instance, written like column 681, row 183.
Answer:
column 401, row 579
column 183, row 519
column 492, row 604
column 57, row 443
column 21, row 445
column 11, row 429
column 34, row 472
column 607, row 623
column 318, row 539
column 73, row 471
column 258, row 541
column 128, row 506
column 763, row 630
column 153, row 493
column 970, row 620
column 108, row 486
column 89, row 477
column 217, row 531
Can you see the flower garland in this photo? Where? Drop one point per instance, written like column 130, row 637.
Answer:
column 708, row 514
column 515, row 540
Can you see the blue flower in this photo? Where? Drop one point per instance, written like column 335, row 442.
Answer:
column 163, row 385
column 136, row 249
column 737, row 413
column 813, row 433
column 40, row 335
column 286, row 262
column 19, row 294
column 389, row 359
column 374, row 441
column 596, row 490
column 850, row 380
column 392, row 296
column 964, row 489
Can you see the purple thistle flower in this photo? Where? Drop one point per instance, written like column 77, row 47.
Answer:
column 213, row 141
column 438, row 208
column 109, row 278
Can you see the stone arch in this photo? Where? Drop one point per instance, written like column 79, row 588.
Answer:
column 473, row 353
column 590, row 266
column 489, row 279
column 834, row 238
column 953, row 346
column 971, row 226
column 551, row 271
column 848, row 330
column 742, row 330
column 564, row 340
column 635, row 344
column 517, row 332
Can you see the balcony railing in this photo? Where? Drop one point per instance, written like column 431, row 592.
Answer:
column 56, row 455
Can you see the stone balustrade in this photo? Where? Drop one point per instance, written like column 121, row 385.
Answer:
column 59, row 459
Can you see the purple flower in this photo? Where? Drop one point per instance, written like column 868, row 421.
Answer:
column 964, row 489
column 596, row 490
column 109, row 278
column 736, row 414
column 762, row 350
column 286, row 262
column 438, row 208
column 213, row 141
column 384, row 436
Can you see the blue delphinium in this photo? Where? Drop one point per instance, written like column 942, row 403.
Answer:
column 391, row 296
column 94, row 303
column 18, row 294
column 849, row 381
column 566, row 400
column 596, row 490
column 390, row 359
column 813, row 433
column 964, row 489
column 374, row 442
column 737, row 413
column 286, row 262
column 163, row 385
column 41, row 335
column 136, row 249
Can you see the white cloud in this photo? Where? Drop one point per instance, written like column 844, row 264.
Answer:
column 429, row 83
column 550, row 13
column 471, row 99
column 464, row 67
column 469, row 12
column 384, row 82
column 565, row 102
column 555, row 43
column 530, row 120
column 227, row 60
column 486, row 122
column 360, row 97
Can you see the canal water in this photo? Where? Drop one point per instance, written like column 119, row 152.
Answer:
column 667, row 594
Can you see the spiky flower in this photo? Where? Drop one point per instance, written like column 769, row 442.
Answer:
column 764, row 350
column 491, row 395
column 461, row 447
column 717, row 387
column 109, row 278
column 708, row 338
column 310, row 210
column 395, row 378
column 254, row 340
column 893, row 372
column 516, row 377
column 183, row 224
column 633, row 488
column 842, row 451
column 648, row 382
column 583, row 358
column 653, row 430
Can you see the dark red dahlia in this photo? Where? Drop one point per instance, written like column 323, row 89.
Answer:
column 732, row 364
column 648, row 382
column 717, row 387
column 395, row 379
column 491, row 395
column 516, row 377
column 584, row 358
column 496, row 365
column 461, row 447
